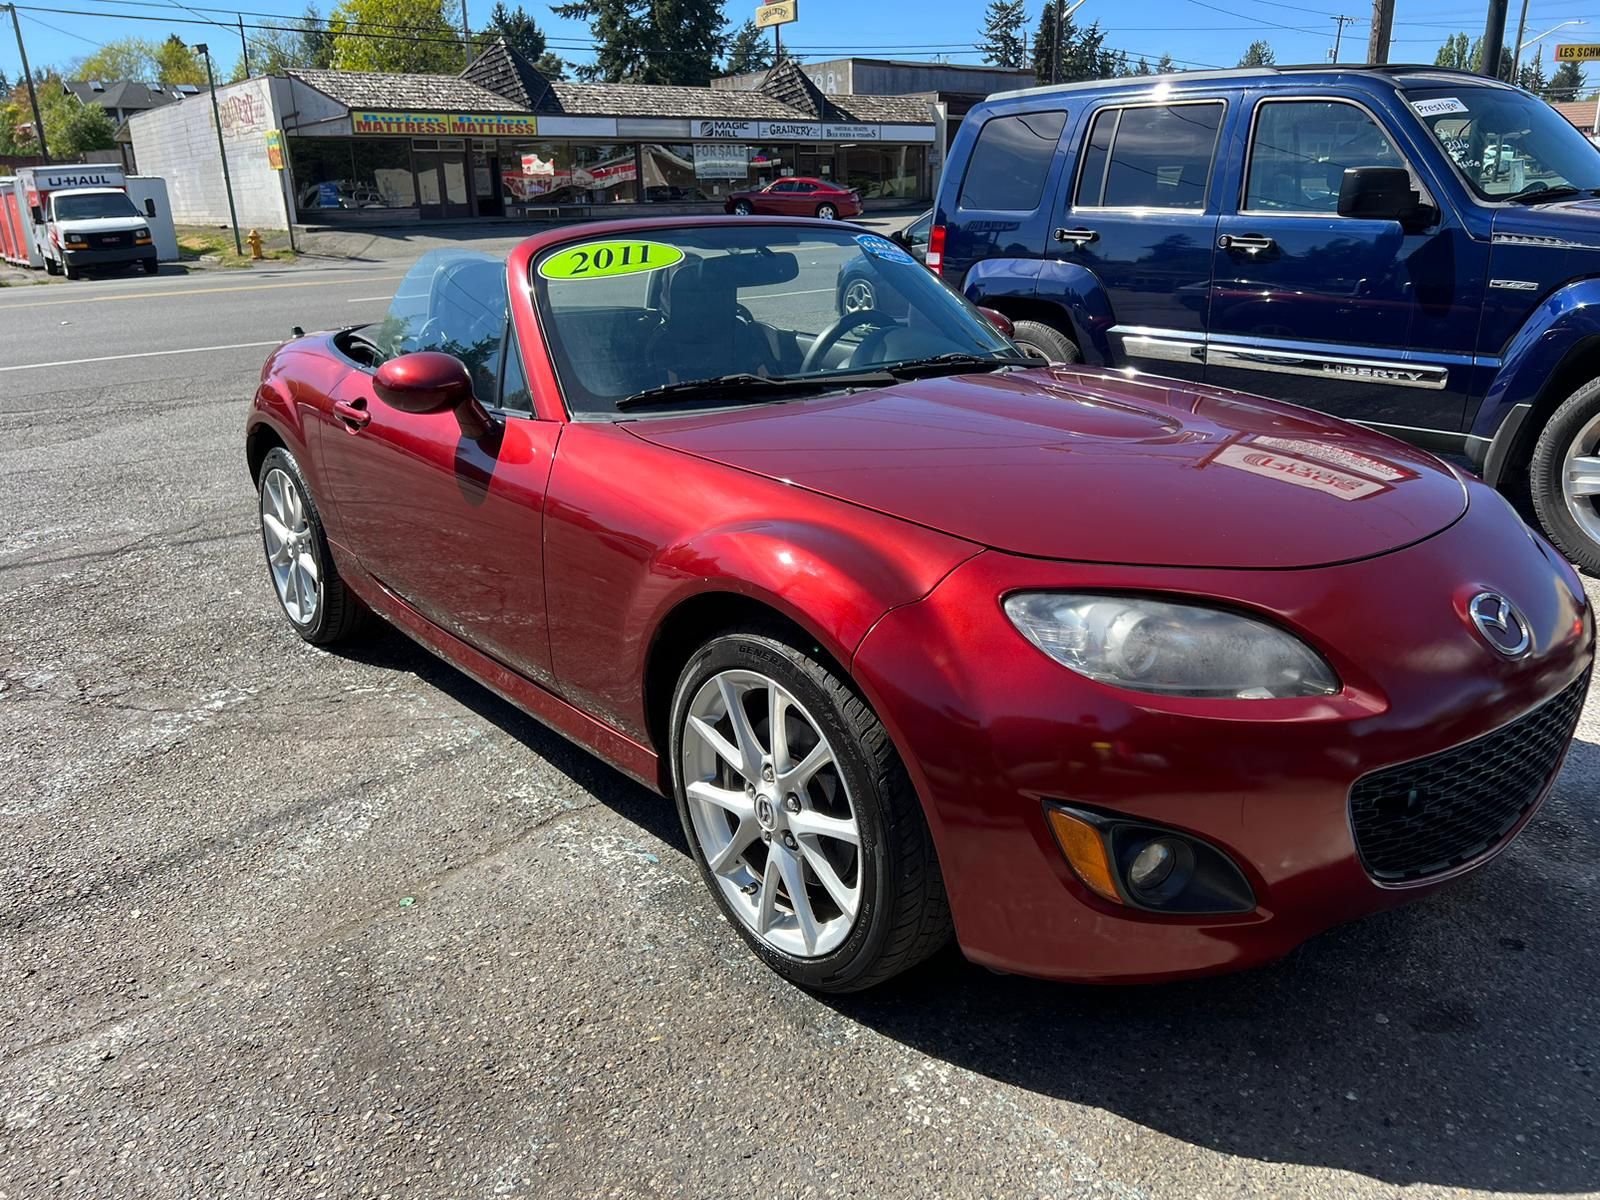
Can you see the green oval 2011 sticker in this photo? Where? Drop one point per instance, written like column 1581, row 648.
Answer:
column 606, row 260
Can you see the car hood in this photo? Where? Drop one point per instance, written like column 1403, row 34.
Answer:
column 1563, row 224
column 101, row 224
column 1094, row 467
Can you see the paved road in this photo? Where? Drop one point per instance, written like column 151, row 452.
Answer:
column 279, row 923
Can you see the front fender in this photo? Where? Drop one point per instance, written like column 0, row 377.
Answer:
column 1567, row 322
column 1069, row 292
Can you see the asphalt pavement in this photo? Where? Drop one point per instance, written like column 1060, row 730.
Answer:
column 276, row 922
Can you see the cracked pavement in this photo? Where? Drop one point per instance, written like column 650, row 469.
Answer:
column 281, row 923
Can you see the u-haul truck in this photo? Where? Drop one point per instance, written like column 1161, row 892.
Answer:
column 69, row 217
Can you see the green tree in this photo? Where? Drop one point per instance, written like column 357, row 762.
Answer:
column 518, row 29
column 749, row 49
column 1456, row 52
column 1531, row 75
column 1083, row 52
column 283, row 45
column 125, row 58
column 1142, row 67
column 1002, row 38
column 73, row 129
column 176, row 63
column 1258, row 55
column 1166, row 66
column 418, row 37
column 1566, row 83
column 650, row 41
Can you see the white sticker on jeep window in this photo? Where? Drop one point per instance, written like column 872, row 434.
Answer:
column 1439, row 106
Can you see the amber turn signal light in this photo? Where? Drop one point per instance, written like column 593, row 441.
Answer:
column 1086, row 851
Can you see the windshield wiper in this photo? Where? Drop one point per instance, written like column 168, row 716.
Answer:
column 1533, row 194
column 762, row 387
column 958, row 361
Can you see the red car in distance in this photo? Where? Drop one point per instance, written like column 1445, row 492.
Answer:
column 795, row 196
column 1112, row 677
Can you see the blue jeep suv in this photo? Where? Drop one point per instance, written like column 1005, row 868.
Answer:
column 1413, row 248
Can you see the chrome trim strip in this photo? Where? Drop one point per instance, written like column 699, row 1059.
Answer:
column 1515, row 285
column 1163, row 349
column 1329, row 366
column 1533, row 239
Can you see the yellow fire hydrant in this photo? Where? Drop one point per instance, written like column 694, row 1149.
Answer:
column 255, row 245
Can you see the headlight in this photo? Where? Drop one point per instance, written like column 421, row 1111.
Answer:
column 141, row 235
column 1173, row 649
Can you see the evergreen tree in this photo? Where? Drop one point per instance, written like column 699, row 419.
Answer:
column 1044, row 42
column 1258, row 55
column 1142, row 67
column 1083, row 52
column 1166, row 66
column 748, row 50
column 1566, row 83
column 1456, row 52
column 1531, row 76
column 650, row 41
column 1001, row 41
column 518, row 29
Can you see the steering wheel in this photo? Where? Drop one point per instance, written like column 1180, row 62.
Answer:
column 829, row 337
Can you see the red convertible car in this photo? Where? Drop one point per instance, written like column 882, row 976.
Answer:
column 1110, row 676
column 796, row 196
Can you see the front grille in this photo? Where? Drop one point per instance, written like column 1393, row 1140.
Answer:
column 108, row 239
column 1424, row 817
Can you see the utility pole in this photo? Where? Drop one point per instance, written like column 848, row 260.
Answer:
column 244, row 47
column 1516, row 46
column 33, row 93
column 227, row 181
column 466, row 32
column 1338, row 37
column 1494, row 36
column 1382, row 25
column 1055, row 51
column 777, row 44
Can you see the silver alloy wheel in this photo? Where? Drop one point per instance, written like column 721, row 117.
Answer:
column 1580, row 478
column 772, row 813
column 291, row 554
column 859, row 297
column 827, row 212
column 742, row 208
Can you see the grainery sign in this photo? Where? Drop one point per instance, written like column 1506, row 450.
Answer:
column 1577, row 53
column 780, row 13
column 413, row 124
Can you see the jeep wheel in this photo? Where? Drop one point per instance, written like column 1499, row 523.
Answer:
column 1565, row 475
column 1038, row 340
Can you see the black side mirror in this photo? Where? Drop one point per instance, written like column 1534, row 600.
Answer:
column 1378, row 194
column 898, row 237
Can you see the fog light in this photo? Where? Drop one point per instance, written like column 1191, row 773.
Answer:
column 1152, row 866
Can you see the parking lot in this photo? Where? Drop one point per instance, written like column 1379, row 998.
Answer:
column 279, row 922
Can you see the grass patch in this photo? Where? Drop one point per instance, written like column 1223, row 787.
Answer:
column 198, row 241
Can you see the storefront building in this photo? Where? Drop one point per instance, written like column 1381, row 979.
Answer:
column 501, row 141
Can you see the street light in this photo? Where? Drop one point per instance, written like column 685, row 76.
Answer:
column 1516, row 59
column 204, row 52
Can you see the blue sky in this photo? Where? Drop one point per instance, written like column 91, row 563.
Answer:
column 1195, row 32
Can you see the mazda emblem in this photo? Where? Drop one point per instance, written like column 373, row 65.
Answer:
column 1500, row 624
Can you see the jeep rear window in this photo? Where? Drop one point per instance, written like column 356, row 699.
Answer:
column 1506, row 143
column 1011, row 161
column 1155, row 156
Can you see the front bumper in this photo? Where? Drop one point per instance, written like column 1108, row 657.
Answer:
column 992, row 730
column 97, row 256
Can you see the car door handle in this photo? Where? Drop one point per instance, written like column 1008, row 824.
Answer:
column 1080, row 236
column 353, row 413
column 1249, row 243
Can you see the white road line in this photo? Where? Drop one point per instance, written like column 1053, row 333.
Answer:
column 367, row 299
column 78, row 362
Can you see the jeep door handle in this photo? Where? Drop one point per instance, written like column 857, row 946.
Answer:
column 1249, row 243
column 1080, row 236
column 353, row 413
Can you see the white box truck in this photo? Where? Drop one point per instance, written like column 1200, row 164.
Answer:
column 78, row 216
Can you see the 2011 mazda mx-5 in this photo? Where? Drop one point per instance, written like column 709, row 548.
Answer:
column 1113, row 677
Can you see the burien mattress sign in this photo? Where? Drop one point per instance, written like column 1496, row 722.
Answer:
column 412, row 124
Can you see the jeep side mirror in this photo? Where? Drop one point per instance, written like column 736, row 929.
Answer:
column 430, row 382
column 1378, row 194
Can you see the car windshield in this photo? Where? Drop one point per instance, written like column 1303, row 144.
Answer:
column 92, row 205
column 747, row 304
column 1507, row 143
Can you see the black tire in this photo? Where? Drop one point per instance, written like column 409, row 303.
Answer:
column 51, row 266
column 151, row 267
column 70, row 271
column 1041, row 341
column 742, row 208
column 904, row 915
column 339, row 615
column 827, row 212
column 1548, row 469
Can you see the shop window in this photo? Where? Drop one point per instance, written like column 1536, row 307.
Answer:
column 883, row 171
column 345, row 173
column 667, row 173
column 569, row 172
column 770, row 162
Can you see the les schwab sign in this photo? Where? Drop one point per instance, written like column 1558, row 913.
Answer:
column 411, row 124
